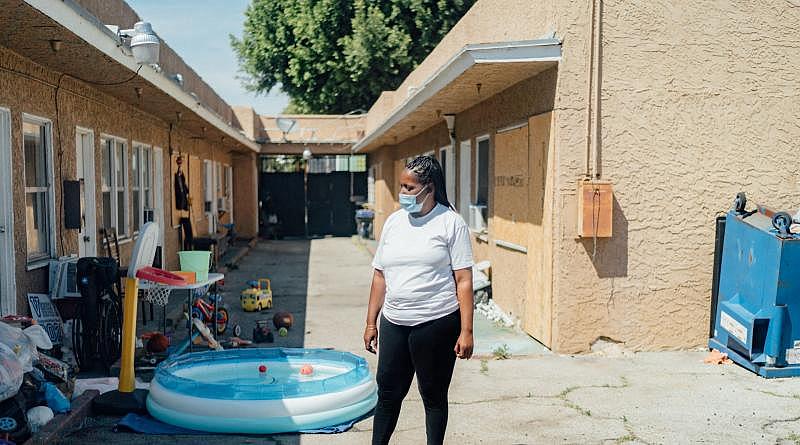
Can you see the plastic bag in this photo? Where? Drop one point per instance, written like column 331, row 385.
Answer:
column 55, row 398
column 38, row 416
column 11, row 373
column 24, row 342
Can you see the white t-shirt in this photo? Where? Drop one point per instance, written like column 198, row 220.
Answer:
column 418, row 257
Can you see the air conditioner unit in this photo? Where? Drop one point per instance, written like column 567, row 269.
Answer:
column 477, row 217
column 64, row 278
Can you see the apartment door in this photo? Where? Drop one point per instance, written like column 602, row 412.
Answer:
column 464, row 178
column 87, row 236
column 8, row 295
column 158, row 192
column 210, row 188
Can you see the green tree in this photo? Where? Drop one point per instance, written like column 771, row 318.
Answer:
column 335, row 56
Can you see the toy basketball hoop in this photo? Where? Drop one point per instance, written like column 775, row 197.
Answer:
column 156, row 284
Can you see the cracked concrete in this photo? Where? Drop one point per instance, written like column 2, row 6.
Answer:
column 644, row 398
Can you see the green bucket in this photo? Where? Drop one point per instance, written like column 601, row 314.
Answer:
column 197, row 261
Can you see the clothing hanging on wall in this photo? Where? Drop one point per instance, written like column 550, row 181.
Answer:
column 181, row 191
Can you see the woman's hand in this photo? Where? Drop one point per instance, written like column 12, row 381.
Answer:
column 464, row 345
column 370, row 338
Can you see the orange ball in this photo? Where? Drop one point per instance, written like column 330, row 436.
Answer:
column 306, row 370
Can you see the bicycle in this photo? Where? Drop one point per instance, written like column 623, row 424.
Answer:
column 97, row 330
column 203, row 310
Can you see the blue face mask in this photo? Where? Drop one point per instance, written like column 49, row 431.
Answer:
column 409, row 202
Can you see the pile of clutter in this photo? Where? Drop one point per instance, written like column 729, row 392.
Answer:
column 34, row 385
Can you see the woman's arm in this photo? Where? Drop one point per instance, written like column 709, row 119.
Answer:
column 464, row 344
column 376, row 295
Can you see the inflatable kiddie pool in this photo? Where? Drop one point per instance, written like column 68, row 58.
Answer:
column 262, row 391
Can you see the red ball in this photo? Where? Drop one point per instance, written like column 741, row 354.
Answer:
column 262, row 368
column 306, row 370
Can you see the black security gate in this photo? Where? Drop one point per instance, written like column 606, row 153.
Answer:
column 330, row 208
column 281, row 205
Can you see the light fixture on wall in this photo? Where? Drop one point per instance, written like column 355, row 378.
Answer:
column 307, row 154
column 142, row 41
column 450, row 120
column 56, row 45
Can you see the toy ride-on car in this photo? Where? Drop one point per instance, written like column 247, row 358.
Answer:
column 258, row 297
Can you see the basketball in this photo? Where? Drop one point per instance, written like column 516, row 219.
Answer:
column 158, row 342
column 283, row 320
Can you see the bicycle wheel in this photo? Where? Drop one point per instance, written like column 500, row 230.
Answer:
column 222, row 320
column 78, row 338
column 110, row 335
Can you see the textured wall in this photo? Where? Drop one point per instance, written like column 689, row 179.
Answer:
column 697, row 104
column 245, row 192
column 30, row 88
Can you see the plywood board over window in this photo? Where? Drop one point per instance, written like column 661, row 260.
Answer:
column 537, row 314
column 509, row 222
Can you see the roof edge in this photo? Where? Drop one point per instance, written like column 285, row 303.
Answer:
column 539, row 50
column 91, row 30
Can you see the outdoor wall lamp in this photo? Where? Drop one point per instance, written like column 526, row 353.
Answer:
column 142, row 41
column 450, row 119
column 307, row 154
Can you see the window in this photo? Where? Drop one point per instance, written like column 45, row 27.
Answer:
column 113, row 184
column 142, row 187
column 136, row 195
column 478, row 213
column 39, row 197
column 482, row 172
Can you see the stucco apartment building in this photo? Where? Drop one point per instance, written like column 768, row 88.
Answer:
column 74, row 105
column 593, row 144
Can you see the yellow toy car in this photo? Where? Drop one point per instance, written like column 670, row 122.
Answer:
column 258, row 297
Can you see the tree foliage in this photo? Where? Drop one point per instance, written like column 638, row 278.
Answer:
column 336, row 56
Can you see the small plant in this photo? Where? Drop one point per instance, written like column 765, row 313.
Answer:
column 501, row 352
column 484, row 367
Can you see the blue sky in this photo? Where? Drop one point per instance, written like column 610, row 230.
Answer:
column 198, row 30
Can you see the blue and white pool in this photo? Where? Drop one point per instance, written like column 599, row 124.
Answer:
column 262, row 391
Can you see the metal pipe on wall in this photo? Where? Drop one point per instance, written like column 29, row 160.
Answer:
column 593, row 94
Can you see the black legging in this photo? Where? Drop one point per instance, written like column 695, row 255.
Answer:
column 426, row 349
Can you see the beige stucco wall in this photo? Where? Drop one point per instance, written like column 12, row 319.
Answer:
column 31, row 89
column 697, row 104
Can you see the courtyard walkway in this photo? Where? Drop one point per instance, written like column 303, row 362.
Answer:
column 544, row 398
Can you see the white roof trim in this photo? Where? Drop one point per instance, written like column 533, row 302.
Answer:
column 91, row 31
column 542, row 50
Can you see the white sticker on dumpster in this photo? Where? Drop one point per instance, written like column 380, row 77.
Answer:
column 733, row 327
column 793, row 356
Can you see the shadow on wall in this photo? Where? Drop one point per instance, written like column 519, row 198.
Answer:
column 610, row 255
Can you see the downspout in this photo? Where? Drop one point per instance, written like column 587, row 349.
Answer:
column 591, row 95
column 597, row 51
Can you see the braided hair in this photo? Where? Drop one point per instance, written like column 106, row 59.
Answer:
column 428, row 171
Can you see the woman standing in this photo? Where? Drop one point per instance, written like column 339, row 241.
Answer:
column 422, row 285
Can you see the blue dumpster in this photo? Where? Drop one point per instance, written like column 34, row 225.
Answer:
column 757, row 316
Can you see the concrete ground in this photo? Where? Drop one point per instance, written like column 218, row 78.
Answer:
column 645, row 398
